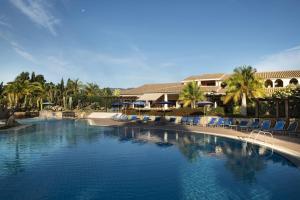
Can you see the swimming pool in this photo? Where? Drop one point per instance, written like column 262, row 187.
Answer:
column 67, row 159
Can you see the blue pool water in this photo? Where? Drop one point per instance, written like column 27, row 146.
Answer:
column 69, row 159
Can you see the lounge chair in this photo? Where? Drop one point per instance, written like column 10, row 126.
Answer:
column 194, row 122
column 252, row 126
column 228, row 122
column 279, row 126
column 122, row 118
column 241, row 124
column 183, row 120
column 211, row 122
column 117, row 116
column 145, row 120
column 220, row 122
column 189, row 120
column 133, row 118
column 291, row 129
column 265, row 126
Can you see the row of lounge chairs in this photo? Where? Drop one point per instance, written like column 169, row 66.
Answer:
column 243, row 125
column 265, row 125
column 133, row 118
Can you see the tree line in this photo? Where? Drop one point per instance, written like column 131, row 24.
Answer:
column 33, row 92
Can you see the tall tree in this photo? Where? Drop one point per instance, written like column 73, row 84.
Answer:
column 23, row 76
column 40, row 78
column 14, row 92
column 92, row 89
column 32, row 79
column 190, row 94
column 106, row 92
column 243, row 85
column 1, row 88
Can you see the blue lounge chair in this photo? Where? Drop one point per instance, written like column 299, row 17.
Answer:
column 211, row 122
column 195, row 121
column 183, row 120
column 228, row 122
column 254, row 125
column 220, row 122
column 145, row 119
column 133, row 118
column 279, row 126
column 190, row 120
column 265, row 126
column 291, row 129
column 241, row 124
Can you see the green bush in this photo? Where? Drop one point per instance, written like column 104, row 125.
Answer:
column 219, row 111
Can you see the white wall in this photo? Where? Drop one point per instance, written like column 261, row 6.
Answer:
column 100, row 115
column 286, row 81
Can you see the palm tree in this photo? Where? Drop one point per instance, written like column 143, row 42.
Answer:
column 27, row 91
column 14, row 92
column 92, row 89
column 190, row 94
column 73, row 87
column 116, row 92
column 243, row 85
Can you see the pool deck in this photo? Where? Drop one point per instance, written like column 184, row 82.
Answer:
column 289, row 146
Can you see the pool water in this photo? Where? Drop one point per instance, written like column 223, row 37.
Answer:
column 67, row 159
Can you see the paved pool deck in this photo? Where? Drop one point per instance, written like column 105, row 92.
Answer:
column 287, row 145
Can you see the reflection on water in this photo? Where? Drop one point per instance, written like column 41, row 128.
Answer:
column 194, row 165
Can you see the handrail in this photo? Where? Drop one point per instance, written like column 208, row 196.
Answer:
column 256, row 133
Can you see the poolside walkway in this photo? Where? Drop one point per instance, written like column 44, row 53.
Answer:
column 282, row 144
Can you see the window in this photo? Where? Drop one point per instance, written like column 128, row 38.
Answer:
column 278, row 83
column 294, row 81
column 208, row 83
column 268, row 83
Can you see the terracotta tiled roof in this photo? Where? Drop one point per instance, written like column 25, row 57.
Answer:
column 264, row 75
column 218, row 76
column 154, row 88
column 177, row 87
column 279, row 74
column 166, row 88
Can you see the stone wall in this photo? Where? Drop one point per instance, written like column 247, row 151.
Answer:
column 50, row 114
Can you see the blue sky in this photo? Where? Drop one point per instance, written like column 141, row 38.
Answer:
column 128, row 43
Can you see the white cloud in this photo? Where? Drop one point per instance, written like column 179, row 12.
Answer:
column 286, row 59
column 3, row 22
column 37, row 12
column 20, row 50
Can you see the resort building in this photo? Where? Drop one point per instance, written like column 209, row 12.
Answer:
column 211, row 84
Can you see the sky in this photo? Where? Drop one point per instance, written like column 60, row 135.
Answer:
column 117, row 43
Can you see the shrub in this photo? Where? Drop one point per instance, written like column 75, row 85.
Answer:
column 219, row 111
